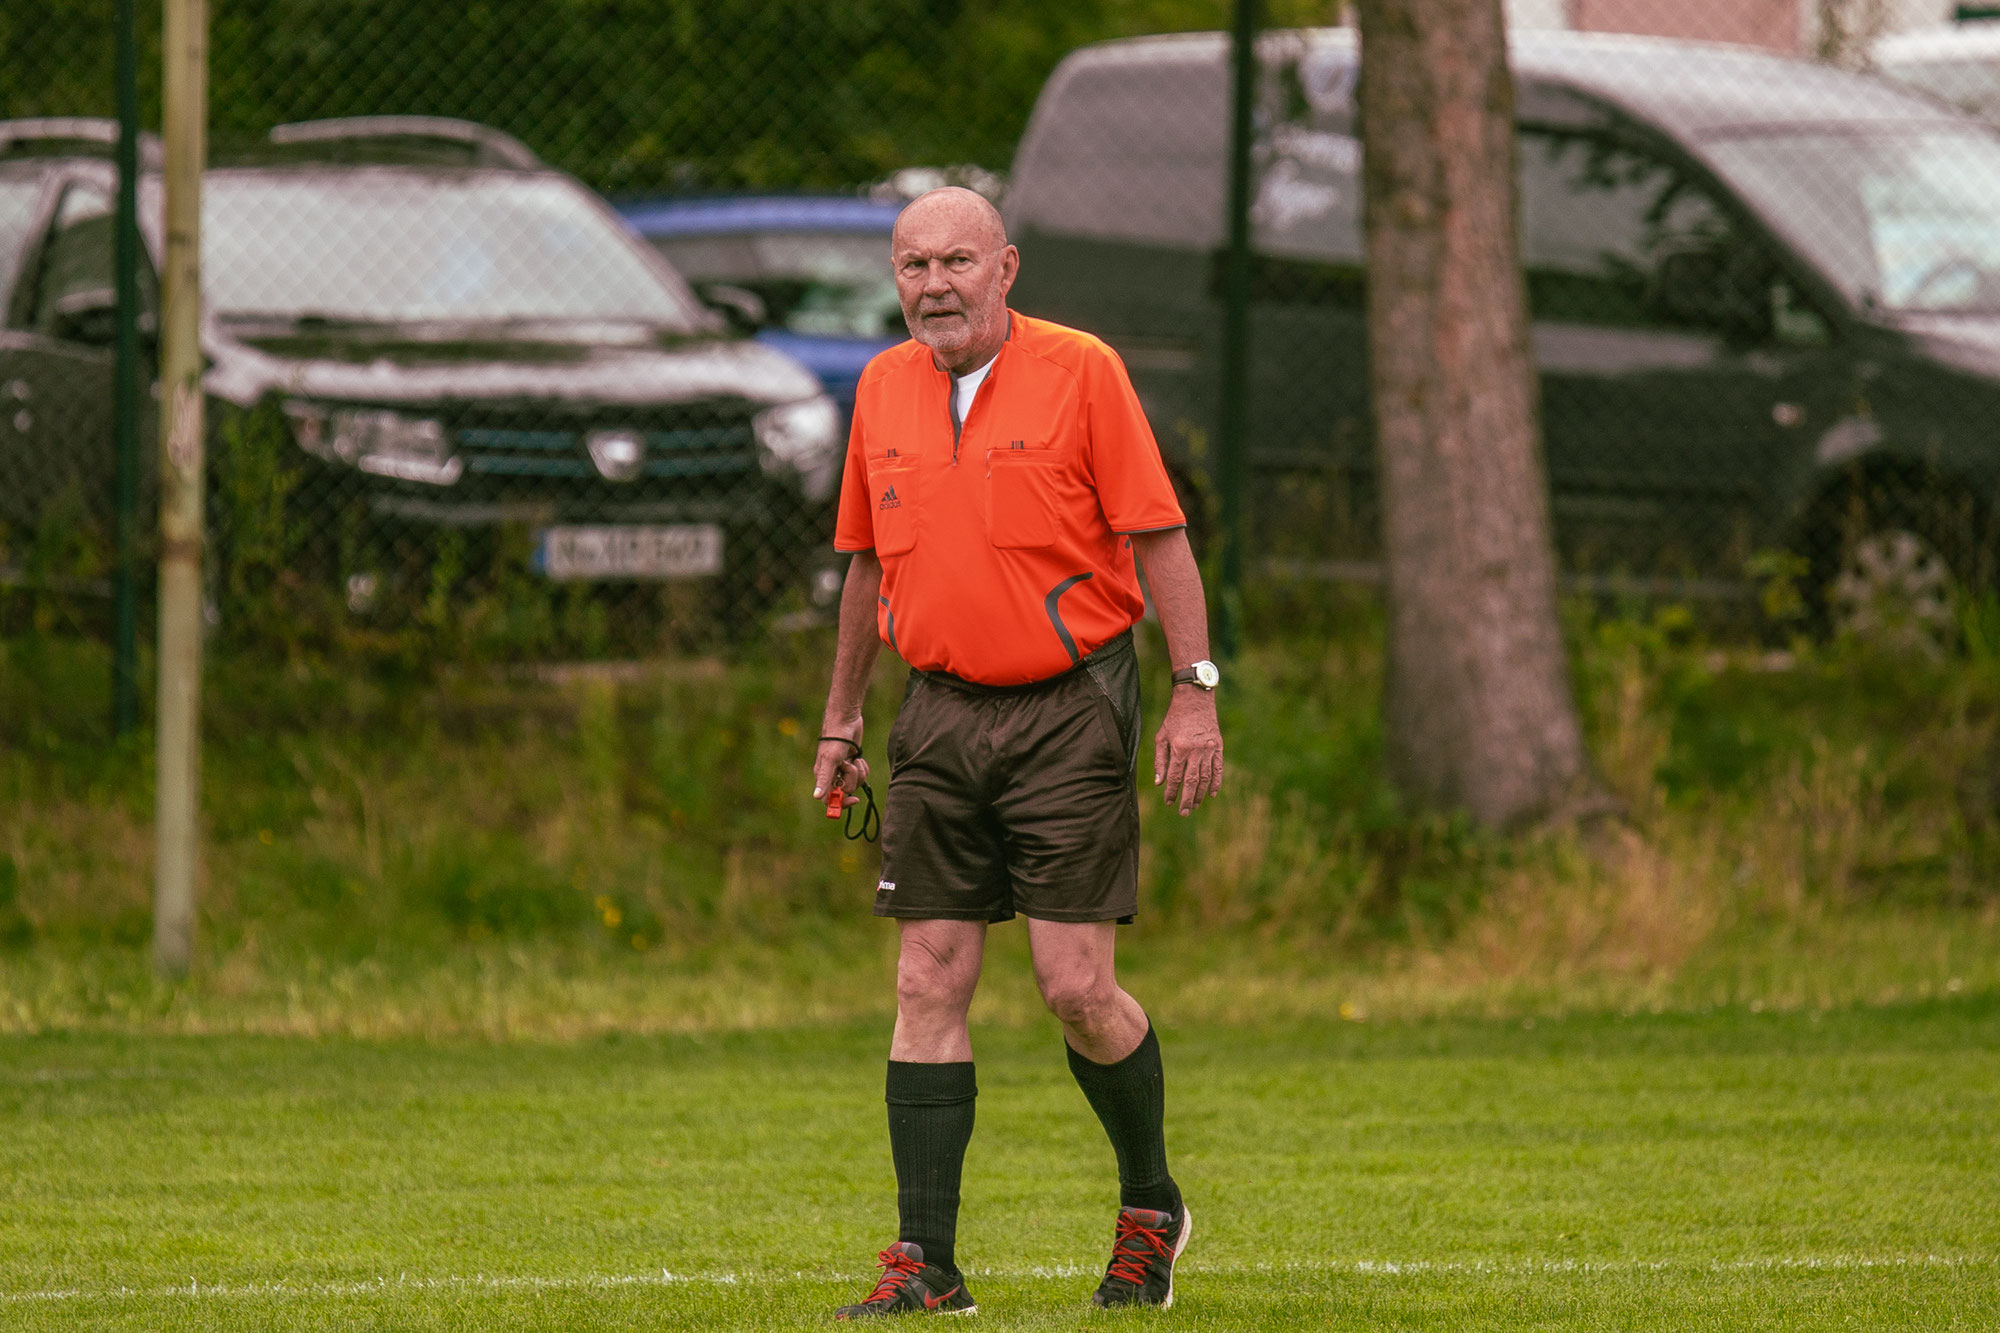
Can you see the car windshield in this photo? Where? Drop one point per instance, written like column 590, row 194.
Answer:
column 1972, row 82
column 387, row 246
column 18, row 197
column 827, row 284
column 1902, row 221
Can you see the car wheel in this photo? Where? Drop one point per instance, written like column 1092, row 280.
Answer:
column 1895, row 590
column 1890, row 553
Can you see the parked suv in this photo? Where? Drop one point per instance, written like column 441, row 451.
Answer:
column 33, row 154
column 1765, row 293
column 468, row 353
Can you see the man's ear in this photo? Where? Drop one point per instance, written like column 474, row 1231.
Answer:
column 1010, row 268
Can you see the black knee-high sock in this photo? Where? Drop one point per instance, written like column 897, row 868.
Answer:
column 930, row 1122
column 1130, row 1097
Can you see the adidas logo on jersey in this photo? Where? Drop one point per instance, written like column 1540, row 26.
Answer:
column 889, row 500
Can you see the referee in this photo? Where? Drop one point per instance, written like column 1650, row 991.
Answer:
column 1000, row 480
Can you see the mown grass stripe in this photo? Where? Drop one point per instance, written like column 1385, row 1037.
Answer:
column 195, row 1289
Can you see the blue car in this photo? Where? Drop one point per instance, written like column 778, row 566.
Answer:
column 808, row 273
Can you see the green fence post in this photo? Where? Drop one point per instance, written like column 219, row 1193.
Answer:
column 1236, row 325
column 125, row 384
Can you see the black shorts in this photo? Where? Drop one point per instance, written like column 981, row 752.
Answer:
column 1017, row 798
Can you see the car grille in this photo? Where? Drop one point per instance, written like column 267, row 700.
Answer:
column 678, row 450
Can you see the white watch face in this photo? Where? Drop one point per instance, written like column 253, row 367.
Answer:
column 1206, row 676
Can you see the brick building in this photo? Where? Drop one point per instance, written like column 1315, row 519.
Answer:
column 1778, row 25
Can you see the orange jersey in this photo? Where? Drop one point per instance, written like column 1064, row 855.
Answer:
column 1004, row 546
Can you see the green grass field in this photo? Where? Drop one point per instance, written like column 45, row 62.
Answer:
column 552, row 1002
column 1705, row 1170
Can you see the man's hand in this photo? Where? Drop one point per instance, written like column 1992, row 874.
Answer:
column 838, row 764
column 1187, row 752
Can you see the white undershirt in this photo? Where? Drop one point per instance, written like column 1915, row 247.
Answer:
column 965, row 388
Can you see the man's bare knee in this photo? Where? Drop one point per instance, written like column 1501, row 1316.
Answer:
column 934, row 974
column 1080, row 1001
column 924, row 989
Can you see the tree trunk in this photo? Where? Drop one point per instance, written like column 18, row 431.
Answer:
column 1477, row 708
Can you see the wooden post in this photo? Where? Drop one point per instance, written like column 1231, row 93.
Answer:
column 177, row 802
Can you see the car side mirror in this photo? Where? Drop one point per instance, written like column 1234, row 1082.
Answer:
column 90, row 317
column 743, row 308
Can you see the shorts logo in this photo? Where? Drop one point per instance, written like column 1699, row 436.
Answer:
column 885, row 886
column 889, row 500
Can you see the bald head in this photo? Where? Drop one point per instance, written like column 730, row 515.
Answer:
column 963, row 212
column 953, row 270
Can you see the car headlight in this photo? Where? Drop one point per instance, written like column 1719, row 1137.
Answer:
column 387, row 444
column 802, row 438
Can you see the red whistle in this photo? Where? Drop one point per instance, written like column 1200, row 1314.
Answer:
column 836, row 801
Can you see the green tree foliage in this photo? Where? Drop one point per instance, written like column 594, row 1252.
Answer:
column 631, row 95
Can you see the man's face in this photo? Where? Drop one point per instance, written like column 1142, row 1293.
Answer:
column 952, row 275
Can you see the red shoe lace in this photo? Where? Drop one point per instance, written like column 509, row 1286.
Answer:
column 1130, row 1251
column 897, row 1268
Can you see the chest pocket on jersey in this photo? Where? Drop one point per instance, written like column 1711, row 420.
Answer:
column 892, row 491
column 1021, row 497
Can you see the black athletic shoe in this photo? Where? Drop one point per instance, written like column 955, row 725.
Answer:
column 908, row 1285
column 1141, row 1271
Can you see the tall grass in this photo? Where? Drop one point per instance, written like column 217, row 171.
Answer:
column 634, row 845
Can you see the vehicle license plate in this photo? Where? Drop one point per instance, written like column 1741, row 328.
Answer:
column 680, row 551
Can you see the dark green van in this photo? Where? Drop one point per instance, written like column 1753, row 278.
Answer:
column 1766, row 299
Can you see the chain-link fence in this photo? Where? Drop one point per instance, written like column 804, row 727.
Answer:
column 458, row 395
column 1762, row 292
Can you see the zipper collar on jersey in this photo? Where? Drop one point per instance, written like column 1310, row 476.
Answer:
column 951, row 390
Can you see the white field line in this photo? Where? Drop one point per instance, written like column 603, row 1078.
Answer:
column 195, row 1289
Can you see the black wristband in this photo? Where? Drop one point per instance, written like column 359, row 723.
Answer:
column 844, row 740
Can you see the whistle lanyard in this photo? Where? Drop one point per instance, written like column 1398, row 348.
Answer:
column 871, row 818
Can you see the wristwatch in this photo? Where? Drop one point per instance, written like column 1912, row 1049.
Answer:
column 1202, row 675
